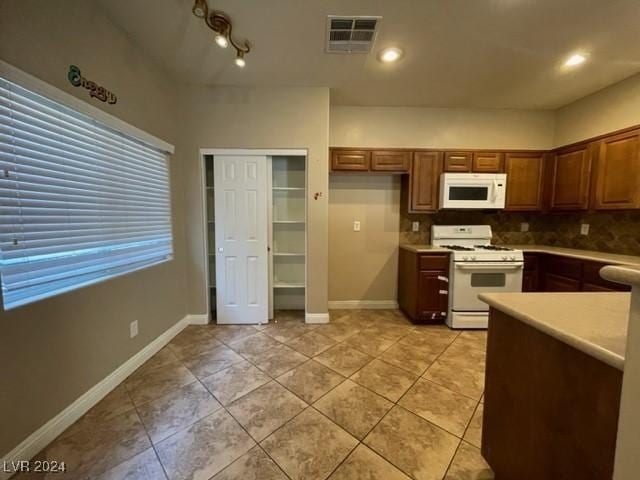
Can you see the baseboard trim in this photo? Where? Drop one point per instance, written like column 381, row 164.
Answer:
column 198, row 319
column 363, row 304
column 39, row 439
column 316, row 318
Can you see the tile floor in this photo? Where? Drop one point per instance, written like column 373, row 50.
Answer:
column 368, row 396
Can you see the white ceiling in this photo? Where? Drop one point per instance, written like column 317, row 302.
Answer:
column 458, row 53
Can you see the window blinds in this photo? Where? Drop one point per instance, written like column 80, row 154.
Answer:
column 80, row 202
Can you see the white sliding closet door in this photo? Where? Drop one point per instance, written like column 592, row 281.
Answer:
column 241, row 238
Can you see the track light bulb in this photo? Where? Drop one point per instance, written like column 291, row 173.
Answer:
column 240, row 60
column 200, row 8
column 221, row 40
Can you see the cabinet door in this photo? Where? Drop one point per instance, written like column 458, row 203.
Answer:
column 571, row 179
column 457, row 161
column 423, row 185
column 350, row 160
column 432, row 296
column 557, row 283
column 487, row 162
column 390, row 161
column 524, row 181
column 529, row 281
column 618, row 172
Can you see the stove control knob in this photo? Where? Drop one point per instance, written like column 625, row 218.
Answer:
column 512, row 257
column 473, row 257
column 465, row 258
column 504, row 257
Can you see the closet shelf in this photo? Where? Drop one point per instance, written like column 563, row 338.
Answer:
column 288, row 285
column 288, row 189
column 288, row 254
column 288, row 221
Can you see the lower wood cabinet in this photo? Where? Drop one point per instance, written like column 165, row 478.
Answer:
column 545, row 272
column 557, row 283
column 423, row 286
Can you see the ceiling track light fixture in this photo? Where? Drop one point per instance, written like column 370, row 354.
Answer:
column 220, row 23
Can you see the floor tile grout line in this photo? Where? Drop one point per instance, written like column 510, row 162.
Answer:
column 153, row 445
column 257, row 443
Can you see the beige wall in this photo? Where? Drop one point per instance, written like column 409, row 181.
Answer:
column 54, row 350
column 233, row 117
column 440, row 127
column 612, row 108
column 363, row 265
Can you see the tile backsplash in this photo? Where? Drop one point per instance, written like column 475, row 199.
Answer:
column 615, row 232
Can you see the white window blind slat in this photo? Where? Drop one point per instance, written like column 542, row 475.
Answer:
column 48, row 108
column 81, row 202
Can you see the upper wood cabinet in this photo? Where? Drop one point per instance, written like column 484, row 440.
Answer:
column 423, row 182
column 571, row 178
column 458, row 161
column 390, row 160
column 617, row 172
column 350, row 160
column 488, row 162
column 524, row 181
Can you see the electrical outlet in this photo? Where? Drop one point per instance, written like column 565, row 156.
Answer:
column 133, row 329
column 584, row 229
column 415, row 226
column 356, row 226
column 524, row 227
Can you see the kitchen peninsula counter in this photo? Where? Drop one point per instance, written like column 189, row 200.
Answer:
column 594, row 323
column 553, row 383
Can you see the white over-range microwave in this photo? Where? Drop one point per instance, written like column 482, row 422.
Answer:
column 473, row 190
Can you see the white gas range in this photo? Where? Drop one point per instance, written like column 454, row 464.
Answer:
column 476, row 267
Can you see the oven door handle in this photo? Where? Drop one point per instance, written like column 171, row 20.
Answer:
column 488, row 266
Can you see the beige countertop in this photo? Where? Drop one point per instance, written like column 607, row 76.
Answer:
column 612, row 258
column 425, row 248
column 594, row 323
column 593, row 255
column 625, row 274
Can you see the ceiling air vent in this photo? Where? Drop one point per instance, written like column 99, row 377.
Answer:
column 350, row 34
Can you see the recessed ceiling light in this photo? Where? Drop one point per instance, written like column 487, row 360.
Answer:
column 389, row 55
column 575, row 59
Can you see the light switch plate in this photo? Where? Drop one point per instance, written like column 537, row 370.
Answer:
column 415, row 226
column 524, row 227
column 584, row 229
column 356, row 226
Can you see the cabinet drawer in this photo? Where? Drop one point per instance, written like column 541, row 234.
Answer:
column 434, row 262
column 457, row 161
column 350, row 160
column 487, row 162
column 390, row 161
column 564, row 267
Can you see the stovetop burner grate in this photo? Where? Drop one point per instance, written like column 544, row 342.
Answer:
column 458, row 248
column 494, row 247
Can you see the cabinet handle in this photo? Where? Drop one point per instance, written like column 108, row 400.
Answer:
column 443, row 279
column 443, row 292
